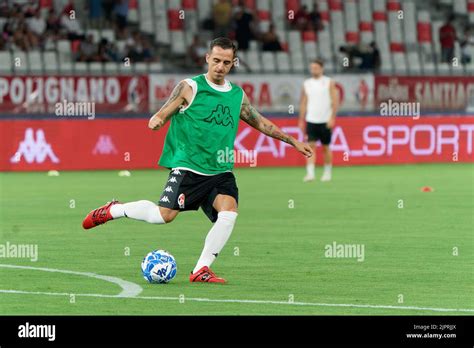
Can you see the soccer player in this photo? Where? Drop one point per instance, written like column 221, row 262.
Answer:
column 204, row 113
column 318, row 108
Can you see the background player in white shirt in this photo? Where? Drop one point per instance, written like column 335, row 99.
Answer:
column 318, row 107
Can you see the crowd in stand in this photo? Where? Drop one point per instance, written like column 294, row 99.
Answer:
column 28, row 28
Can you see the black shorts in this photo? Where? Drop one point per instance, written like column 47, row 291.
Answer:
column 185, row 190
column 318, row 131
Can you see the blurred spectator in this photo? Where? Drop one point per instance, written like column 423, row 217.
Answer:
column 376, row 59
column 121, row 15
column 139, row 49
column 222, row 15
column 52, row 22
column 108, row 8
column 315, row 19
column 96, row 14
column 467, row 45
column 244, row 26
column 197, row 52
column 71, row 23
column 447, row 36
column 23, row 38
column 37, row 24
column 107, row 52
column 87, row 50
column 302, row 18
column 270, row 40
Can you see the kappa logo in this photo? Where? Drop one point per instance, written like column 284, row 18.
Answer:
column 172, row 179
column 221, row 116
column 181, row 199
column 104, row 146
column 168, row 189
column 165, row 199
column 34, row 150
column 176, row 172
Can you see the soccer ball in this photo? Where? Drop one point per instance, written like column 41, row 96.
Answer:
column 159, row 266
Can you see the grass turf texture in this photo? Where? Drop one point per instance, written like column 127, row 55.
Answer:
column 275, row 252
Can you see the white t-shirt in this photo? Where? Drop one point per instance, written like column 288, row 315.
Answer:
column 318, row 106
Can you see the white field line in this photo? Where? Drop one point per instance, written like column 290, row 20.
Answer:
column 194, row 299
column 131, row 290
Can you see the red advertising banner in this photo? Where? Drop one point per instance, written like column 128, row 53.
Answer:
column 433, row 93
column 73, row 95
column 128, row 144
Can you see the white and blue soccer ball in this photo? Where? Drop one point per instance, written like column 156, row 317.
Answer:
column 159, row 267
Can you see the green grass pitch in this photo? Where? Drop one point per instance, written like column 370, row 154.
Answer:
column 418, row 246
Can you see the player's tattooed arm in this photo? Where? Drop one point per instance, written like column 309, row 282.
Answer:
column 178, row 99
column 252, row 117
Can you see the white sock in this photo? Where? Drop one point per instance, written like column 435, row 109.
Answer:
column 328, row 168
column 310, row 169
column 140, row 210
column 216, row 238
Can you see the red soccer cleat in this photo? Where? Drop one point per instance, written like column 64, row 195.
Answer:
column 98, row 216
column 205, row 275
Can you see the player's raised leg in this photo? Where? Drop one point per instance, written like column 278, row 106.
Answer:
column 310, row 164
column 327, row 163
column 226, row 207
column 141, row 210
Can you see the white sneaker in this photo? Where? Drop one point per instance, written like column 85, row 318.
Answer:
column 308, row 178
column 326, row 176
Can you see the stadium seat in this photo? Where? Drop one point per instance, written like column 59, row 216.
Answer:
column 6, row 62
column 444, row 69
column 366, row 26
column 65, row 67
column 108, row 34
column 125, row 69
column 413, row 61
column 20, row 62
column 253, row 60
column 50, row 62
column 204, row 9
column 81, row 68
column 35, row 62
column 268, row 62
column 351, row 21
column 95, row 68
column 283, row 62
column 133, row 11
column 470, row 11
column 337, row 25
column 279, row 16
column 399, row 63
column 460, row 7
column 297, row 62
column 178, row 45
column 111, row 67
column 64, row 50
column 140, row 68
column 409, row 22
column 162, row 34
column 155, row 67
column 145, row 15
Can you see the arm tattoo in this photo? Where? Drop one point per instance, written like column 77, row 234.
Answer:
column 250, row 115
column 257, row 121
column 174, row 95
column 277, row 133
